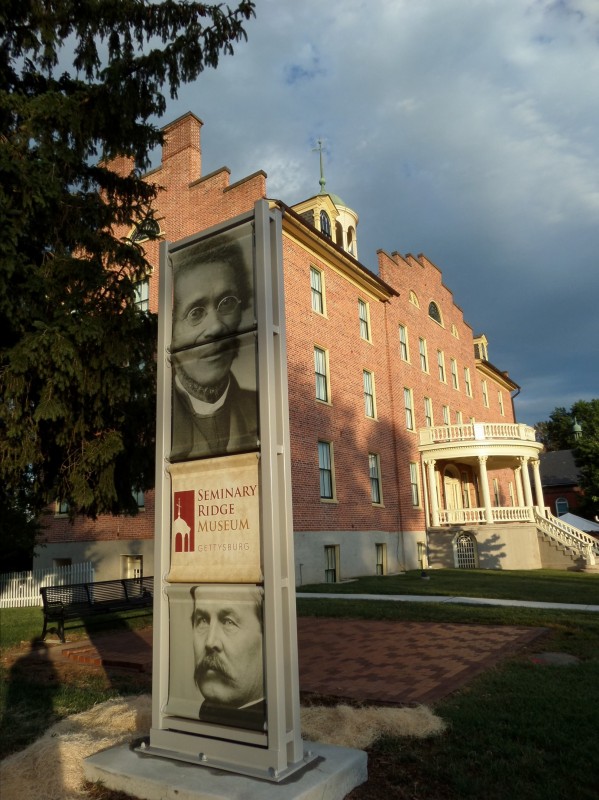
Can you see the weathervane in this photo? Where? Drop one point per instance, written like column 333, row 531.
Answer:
column 318, row 148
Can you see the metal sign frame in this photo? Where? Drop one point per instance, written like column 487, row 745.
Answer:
column 277, row 752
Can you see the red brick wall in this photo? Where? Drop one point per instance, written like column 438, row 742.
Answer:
column 187, row 203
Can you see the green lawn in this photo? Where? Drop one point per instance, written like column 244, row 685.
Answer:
column 519, row 731
column 542, row 585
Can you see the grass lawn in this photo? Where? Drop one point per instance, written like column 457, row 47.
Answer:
column 519, row 731
column 552, row 586
column 35, row 693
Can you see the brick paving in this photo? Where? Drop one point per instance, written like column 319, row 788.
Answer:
column 396, row 663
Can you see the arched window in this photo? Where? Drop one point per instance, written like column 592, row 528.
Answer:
column 465, row 551
column 146, row 229
column 325, row 224
column 351, row 243
column 414, row 299
column 434, row 313
column 561, row 506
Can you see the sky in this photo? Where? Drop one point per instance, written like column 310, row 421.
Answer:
column 467, row 130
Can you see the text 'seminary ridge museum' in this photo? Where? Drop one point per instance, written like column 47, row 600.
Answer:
column 404, row 447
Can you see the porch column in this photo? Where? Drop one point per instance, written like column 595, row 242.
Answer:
column 432, row 489
column 519, row 490
column 484, row 485
column 536, row 471
column 527, row 487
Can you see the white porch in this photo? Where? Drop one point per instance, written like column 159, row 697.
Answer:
column 459, row 462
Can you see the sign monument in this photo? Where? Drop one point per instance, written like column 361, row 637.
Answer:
column 225, row 674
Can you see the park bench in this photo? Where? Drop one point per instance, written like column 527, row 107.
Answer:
column 81, row 600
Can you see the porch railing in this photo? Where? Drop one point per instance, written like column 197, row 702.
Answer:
column 477, row 431
column 476, row 516
column 580, row 542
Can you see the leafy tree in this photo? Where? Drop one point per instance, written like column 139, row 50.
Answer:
column 81, row 84
column 586, row 455
column 557, row 433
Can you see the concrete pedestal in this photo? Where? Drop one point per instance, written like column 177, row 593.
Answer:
column 333, row 774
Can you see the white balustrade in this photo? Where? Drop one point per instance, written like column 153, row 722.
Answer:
column 479, row 431
column 580, row 542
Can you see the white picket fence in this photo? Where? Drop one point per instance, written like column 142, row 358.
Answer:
column 20, row 589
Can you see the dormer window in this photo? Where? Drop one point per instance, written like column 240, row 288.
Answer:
column 325, row 224
column 480, row 348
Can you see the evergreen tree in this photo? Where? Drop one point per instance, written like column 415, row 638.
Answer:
column 81, row 83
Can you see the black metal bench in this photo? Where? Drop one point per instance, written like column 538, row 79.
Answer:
column 81, row 600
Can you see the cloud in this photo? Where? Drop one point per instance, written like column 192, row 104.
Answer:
column 465, row 130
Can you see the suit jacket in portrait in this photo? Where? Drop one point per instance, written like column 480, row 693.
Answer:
column 232, row 428
column 251, row 717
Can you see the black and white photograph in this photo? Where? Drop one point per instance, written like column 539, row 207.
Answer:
column 213, row 349
column 216, row 656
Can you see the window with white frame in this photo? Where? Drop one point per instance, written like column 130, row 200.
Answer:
column 423, row 354
column 369, row 402
column 414, row 299
column 445, row 410
column 321, row 375
column 317, row 289
column 62, row 507
column 454, row 331
column 132, row 566
column 467, row 381
column 510, row 488
column 485, row 391
column 441, row 365
column 409, row 408
column 325, row 466
column 454, row 373
column 325, row 224
column 561, row 506
column 381, row 558
column 428, row 412
column 458, row 418
column 404, row 353
column 364, row 315
column 496, row 494
column 374, row 469
column 414, row 483
column 501, row 409
column 142, row 294
column 331, row 560
column 465, row 490
column 140, row 498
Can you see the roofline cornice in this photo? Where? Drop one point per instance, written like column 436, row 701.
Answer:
column 323, row 247
column 486, row 368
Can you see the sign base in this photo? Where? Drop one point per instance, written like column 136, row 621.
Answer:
column 332, row 773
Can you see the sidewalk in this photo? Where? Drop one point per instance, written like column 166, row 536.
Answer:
column 431, row 598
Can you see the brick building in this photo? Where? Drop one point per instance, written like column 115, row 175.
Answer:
column 404, row 447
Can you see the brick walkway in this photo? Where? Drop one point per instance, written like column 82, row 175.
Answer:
column 400, row 663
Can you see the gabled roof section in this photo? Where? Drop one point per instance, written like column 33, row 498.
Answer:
column 558, row 468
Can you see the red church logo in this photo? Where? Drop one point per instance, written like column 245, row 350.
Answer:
column 183, row 522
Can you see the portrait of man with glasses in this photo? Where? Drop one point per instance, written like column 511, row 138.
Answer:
column 212, row 345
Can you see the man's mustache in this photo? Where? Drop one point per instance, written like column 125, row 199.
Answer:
column 212, row 662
